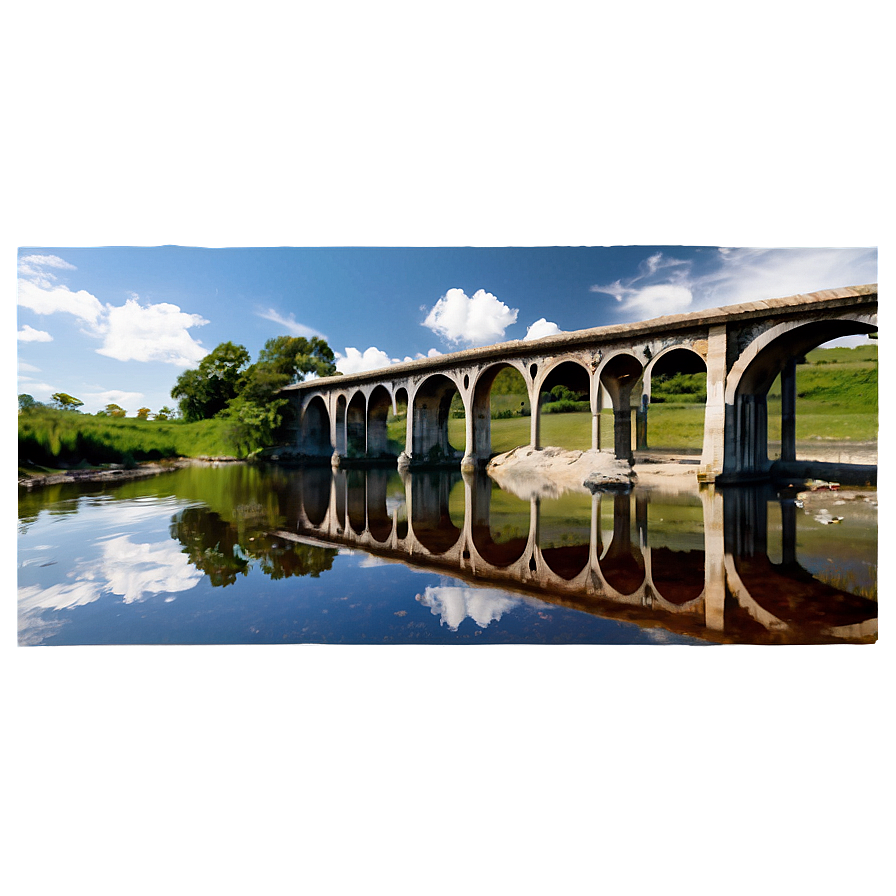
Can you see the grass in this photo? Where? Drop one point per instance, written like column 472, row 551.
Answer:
column 49, row 439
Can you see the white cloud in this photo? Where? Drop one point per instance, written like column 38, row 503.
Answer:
column 540, row 328
column 28, row 368
column 44, row 298
column 432, row 353
column 479, row 320
column 453, row 605
column 126, row 400
column 354, row 361
column 46, row 261
column 730, row 276
column 134, row 332
column 29, row 334
column 290, row 324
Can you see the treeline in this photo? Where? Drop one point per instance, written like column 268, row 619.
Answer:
column 227, row 406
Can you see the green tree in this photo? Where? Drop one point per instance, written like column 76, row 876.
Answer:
column 113, row 410
column 165, row 413
column 205, row 391
column 65, row 402
column 27, row 402
column 285, row 360
column 143, row 414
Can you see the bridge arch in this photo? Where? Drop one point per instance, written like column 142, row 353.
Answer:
column 379, row 404
column 315, row 428
column 560, row 377
column 482, row 405
column 619, row 373
column 683, row 358
column 432, row 408
column 773, row 353
column 356, row 426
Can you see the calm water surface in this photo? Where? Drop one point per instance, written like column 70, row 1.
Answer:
column 243, row 554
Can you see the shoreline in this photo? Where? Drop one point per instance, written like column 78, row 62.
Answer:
column 119, row 474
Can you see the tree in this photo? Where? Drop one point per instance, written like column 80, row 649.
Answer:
column 27, row 402
column 165, row 413
column 205, row 391
column 65, row 402
column 112, row 410
column 143, row 414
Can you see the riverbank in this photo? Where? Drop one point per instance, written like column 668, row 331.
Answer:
column 117, row 473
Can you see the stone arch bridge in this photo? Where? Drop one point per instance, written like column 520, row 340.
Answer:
column 743, row 348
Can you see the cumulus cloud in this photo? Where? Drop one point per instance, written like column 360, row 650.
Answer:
column 453, row 605
column 479, row 320
column 665, row 285
column 45, row 298
column 135, row 332
column 432, row 353
column 540, row 328
column 114, row 396
column 290, row 324
column 354, row 361
column 29, row 334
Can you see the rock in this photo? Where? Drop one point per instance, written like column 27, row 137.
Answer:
column 548, row 472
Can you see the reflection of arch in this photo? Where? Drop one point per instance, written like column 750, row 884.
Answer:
column 482, row 423
column 355, row 426
column 770, row 354
column 678, row 577
column 564, row 534
column 788, row 594
column 431, row 519
column 316, row 429
column 622, row 564
column 356, row 500
column 379, row 523
column 378, row 406
column 432, row 405
column 315, row 495
column 510, row 546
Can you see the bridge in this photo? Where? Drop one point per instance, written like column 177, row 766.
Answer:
column 742, row 348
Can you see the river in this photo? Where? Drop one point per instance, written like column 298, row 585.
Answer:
column 244, row 554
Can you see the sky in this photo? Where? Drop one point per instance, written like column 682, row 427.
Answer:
column 118, row 325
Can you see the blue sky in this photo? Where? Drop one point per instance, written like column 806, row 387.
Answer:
column 119, row 324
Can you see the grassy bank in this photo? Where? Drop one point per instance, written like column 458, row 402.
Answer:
column 51, row 439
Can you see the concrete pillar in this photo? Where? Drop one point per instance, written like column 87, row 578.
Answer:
column 641, row 422
column 712, row 463
column 622, row 431
column 535, row 420
column 788, row 411
column 596, row 409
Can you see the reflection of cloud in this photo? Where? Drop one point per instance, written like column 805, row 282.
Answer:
column 131, row 571
column 453, row 604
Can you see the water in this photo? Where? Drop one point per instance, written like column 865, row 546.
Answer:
column 243, row 554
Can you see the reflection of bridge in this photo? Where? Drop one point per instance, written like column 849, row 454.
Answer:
column 743, row 348
column 729, row 590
